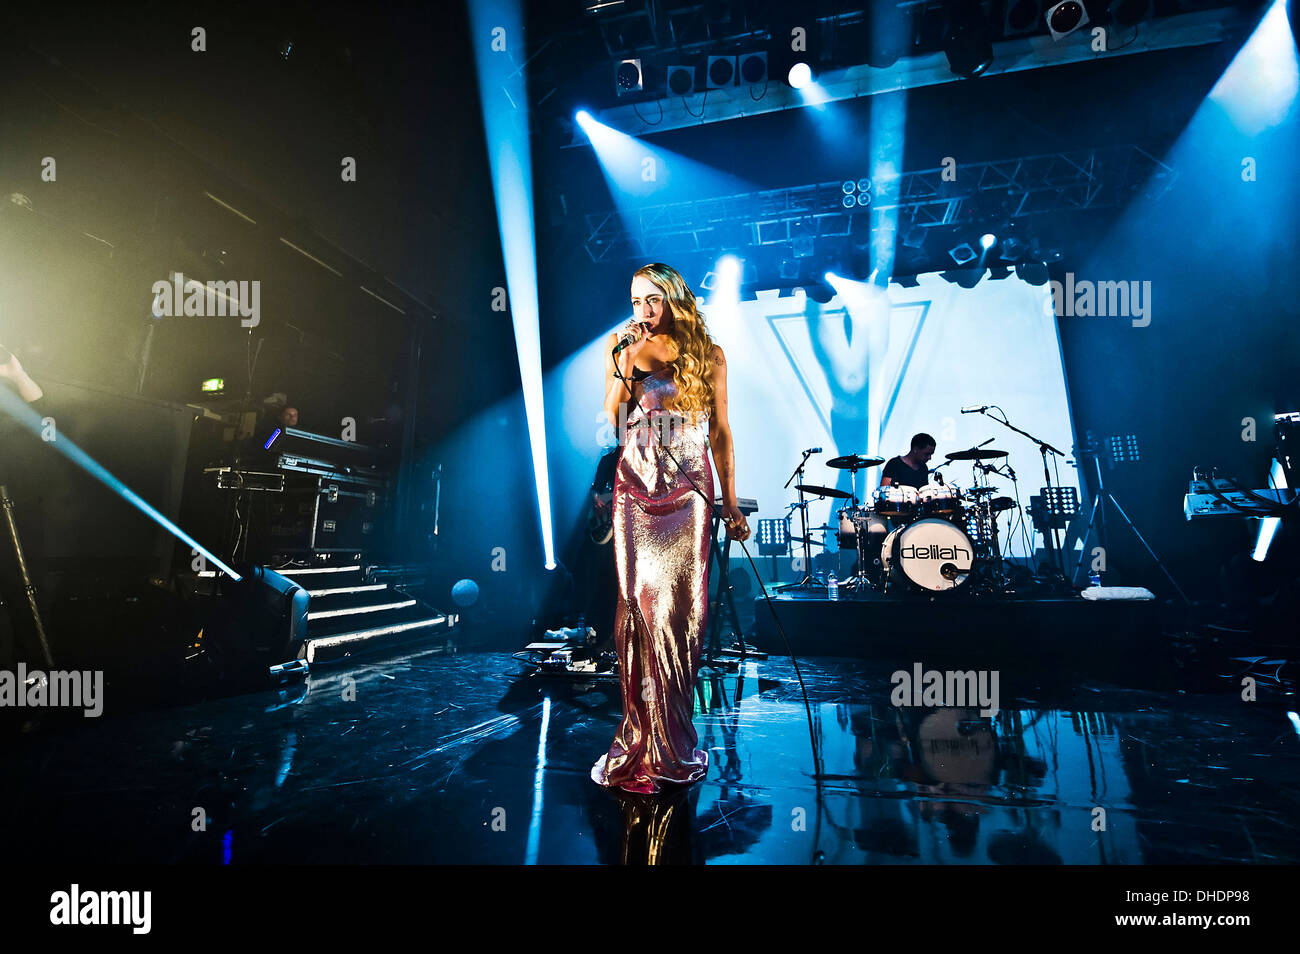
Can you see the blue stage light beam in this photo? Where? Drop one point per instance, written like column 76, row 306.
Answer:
column 1258, row 89
column 498, row 31
column 722, row 307
column 1269, row 526
column 888, row 135
column 16, row 408
column 814, row 94
column 635, row 170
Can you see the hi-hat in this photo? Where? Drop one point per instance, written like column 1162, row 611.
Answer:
column 823, row 491
column 978, row 453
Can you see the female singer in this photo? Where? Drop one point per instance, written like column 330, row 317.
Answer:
column 665, row 394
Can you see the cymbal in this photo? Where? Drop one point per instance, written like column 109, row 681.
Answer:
column 854, row 462
column 978, row 453
column 823, row 491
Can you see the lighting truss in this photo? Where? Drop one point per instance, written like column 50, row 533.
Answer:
column 1017, row 188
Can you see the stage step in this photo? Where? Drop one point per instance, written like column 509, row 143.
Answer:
column 356, row 610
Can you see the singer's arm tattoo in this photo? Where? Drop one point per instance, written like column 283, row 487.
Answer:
column 724, row 451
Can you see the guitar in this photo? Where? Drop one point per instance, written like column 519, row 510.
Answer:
column 600, row 522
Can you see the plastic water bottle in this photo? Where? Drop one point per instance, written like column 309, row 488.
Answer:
column 832, row 588
column 1094, row 579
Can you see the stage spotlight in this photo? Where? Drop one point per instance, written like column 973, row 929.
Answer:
column 681, row 80
column 721, row 71
column 1013, row 249
column 1259, row 88
column 628, row 77
column 967, row 44
column 961, row 254
column 1033, row 273
column 988, row 240
column 864, row 185
column 1021, row 16
column 788, row 269
column 848, row 186
column 914, row 237
column 753, row 68
column 849, row 201
column 963, row 277
column 1066, row 17
column 801, row 75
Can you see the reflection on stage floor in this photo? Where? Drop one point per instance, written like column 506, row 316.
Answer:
column 434, row 758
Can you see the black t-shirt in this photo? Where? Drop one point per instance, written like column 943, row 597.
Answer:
column 899, row 473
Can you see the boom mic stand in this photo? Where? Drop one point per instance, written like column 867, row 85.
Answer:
column 1051, row 540
column 803, row 524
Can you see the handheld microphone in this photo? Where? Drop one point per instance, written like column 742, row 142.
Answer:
column 629, row 338
column 975, row 408
column 813, row 450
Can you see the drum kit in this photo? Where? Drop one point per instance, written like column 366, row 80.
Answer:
column 934, row 539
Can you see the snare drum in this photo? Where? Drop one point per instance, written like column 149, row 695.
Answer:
column 936, row 500
column 896, row 500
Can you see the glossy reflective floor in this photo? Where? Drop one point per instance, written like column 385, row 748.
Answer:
column 433, row 758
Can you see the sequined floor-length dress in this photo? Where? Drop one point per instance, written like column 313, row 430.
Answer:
column 661, row 554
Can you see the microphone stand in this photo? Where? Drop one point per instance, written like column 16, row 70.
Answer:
column 803, row 527
column 1049, row 538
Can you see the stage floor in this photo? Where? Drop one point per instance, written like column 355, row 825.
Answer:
column 457, row 759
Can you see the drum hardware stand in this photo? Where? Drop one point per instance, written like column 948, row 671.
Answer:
column 995, row 545
column 797, row 478
column 1098, row 509
column 24, row 577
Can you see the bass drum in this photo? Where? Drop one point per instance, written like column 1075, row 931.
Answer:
column 933, row 554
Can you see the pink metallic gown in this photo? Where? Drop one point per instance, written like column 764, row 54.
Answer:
column 661, row 552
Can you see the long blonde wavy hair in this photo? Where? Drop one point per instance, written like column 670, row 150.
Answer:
column 693, row 369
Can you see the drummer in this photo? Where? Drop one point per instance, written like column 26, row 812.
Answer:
column 910, row 469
